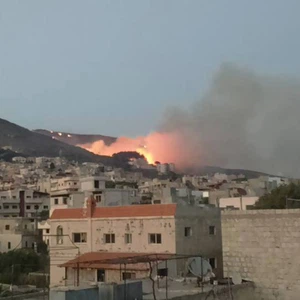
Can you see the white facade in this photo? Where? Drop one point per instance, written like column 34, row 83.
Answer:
column 16, row 233
column 239, row 203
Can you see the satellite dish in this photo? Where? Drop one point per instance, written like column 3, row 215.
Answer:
column 236, row 278
column 199, row 266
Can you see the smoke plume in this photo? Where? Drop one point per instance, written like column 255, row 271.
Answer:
column 245, row 120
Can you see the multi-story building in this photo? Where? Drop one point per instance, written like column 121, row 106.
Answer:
column 134, row 229
column 23, row 202
column 17, row 233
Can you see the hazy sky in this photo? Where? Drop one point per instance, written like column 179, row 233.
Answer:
column 114, row 67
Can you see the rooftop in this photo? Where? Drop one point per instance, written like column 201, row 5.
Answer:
column 112, row 260
column 157, row 210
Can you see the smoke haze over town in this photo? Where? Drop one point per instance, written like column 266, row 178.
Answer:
column 245, row 120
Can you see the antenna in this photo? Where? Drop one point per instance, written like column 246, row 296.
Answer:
column 199, row 266
column 236, row 278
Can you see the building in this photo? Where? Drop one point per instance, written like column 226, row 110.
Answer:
column 134, row 229
column 23, row 202
column 17, row 233
column 237, row 203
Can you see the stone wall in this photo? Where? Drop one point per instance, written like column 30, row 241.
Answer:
column 237, row 292
column 263, row 246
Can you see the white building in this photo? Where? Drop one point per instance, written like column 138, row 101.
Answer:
column 237, row 203
column 17, row 233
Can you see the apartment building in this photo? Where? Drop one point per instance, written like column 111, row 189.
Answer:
column 17, row 233
column 23, row 202
column 168, row 228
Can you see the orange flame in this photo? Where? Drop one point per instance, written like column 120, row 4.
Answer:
column 162, row 147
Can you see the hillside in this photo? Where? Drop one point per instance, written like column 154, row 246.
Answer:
column 75, row 138
column 22, row 140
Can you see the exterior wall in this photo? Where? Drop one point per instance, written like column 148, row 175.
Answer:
column 239, row 203
column 263, row 246
column 11, row 204
column 140, row 228
column 89, row 276
column 87, row 184
column 201, row 242
column 116, row 197
column 19, row 234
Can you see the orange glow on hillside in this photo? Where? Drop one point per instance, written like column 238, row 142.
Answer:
column 162, row 147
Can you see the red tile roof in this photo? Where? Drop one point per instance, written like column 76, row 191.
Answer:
column 151, row 210
column 109, row 260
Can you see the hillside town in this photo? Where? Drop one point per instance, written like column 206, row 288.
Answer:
column 103, row 224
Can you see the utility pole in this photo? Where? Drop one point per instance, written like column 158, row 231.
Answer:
column 12, row 282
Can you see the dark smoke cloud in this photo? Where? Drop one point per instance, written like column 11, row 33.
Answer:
column 244, row 121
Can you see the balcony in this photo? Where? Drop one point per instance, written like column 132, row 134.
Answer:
column 10, row 210
column 35, row 200
column 10, row 200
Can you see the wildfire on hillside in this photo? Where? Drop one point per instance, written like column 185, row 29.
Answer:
column 162, row 147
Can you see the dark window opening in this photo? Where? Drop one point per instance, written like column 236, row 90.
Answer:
column 109, row 238
column 212, row 230
column 187, row 231
column 155, row 238
column 101, row 275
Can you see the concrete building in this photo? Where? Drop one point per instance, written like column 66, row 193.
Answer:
column 134, row 229
column 23, row 202
column 263, row 246
column 17, row 233
column 237, row 203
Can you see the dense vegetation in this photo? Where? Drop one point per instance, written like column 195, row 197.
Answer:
column 277, row 198
column 15, row 265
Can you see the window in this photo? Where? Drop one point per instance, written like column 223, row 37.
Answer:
column 128, row 238
column 109, row 238
column 56, row 201
column 156, row 202
column 36, row 207
column 14, row 197
column 14, row 206
column 47, row 230
column 100, row 275
column 46, row 207
column 7, row 227
column 28, row 206
column 213, row 262
column 154, row 238
column 187, row 231
column 59, row 235
column 25, row 226
column 96, row 184
column 128, row 275
column 26, row 244
column 3, row 197
column 65, row 200
column 6, row 206
column 28, row 197
column 8, row 245
column 98, row 198
column 79, row 237
column 212, row 230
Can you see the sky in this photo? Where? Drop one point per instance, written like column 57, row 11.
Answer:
column 115, row 67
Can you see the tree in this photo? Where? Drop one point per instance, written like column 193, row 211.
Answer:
column 23, row 260
column 276, row 199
